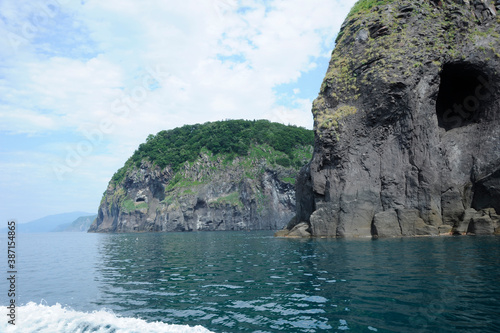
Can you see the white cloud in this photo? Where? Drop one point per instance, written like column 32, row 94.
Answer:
column 57, row 94
column 218, row 59
column 29, row 121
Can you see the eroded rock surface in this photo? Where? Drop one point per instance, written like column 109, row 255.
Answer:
column 407, row 124
column 218, row 196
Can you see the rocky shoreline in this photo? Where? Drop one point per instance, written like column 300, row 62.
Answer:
column 407, row 125
column 209, row 194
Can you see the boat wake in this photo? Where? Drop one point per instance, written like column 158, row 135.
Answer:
column 40, row 318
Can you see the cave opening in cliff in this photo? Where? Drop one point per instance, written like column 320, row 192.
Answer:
column 487, row 192
column 464, row 95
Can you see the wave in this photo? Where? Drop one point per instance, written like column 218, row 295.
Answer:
column 40, row 318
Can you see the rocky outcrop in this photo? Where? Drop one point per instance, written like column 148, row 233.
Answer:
column 407, row 124
column 209, row 194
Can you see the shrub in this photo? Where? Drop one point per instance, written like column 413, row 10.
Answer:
column 230, row 138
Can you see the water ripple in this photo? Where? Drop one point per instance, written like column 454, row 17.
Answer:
column 252, row 282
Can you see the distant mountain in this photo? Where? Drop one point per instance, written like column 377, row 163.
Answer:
column 81, row 224
column 49, row 223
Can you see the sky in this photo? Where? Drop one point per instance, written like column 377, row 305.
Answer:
column 83, row 83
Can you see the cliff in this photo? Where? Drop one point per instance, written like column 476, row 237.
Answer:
column 407, row 124
column 231, row 175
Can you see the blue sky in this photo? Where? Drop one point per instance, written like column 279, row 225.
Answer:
column 83, row 83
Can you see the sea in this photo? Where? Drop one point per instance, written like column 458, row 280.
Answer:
column 250, row 282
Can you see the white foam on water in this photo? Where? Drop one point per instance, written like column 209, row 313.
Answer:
column 227, row 286
column 343, row 325
column 40, row 318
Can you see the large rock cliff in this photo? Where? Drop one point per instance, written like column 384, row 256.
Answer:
column 407, row 124
column 212, row 192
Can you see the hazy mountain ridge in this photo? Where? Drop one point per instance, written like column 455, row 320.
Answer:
column 81, row 224
column 49, row 223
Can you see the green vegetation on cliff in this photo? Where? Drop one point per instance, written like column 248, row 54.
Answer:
column 377, row 45
column 365, row 5
column 225, row 175
column 229, row 138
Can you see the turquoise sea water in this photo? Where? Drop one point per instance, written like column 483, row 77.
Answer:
column 253, row 282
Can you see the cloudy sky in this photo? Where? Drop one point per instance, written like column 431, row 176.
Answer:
column 83, row 83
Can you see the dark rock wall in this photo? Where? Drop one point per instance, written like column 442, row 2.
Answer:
column 407, row 124
column 211, row 196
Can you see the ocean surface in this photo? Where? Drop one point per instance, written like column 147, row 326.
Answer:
column 252, row 282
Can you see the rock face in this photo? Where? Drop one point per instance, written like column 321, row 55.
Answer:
column 209, row 194
column 407, row 124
